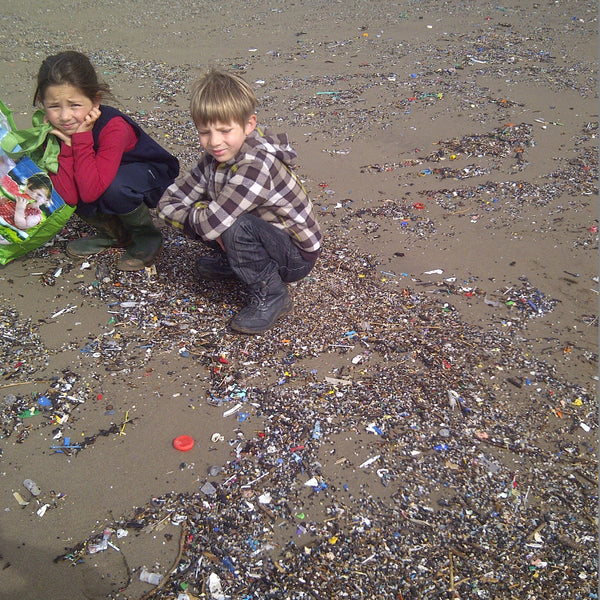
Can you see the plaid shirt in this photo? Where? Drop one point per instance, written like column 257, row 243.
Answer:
column 206, row 201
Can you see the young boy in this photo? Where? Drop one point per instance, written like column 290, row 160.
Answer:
column 243, row 200
column 21, row 205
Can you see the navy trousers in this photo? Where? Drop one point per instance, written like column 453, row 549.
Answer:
column 256, row 249
column 134, row 183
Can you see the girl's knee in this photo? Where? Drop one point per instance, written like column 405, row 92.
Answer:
column 119, row 198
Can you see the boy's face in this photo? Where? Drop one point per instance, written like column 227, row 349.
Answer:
column 224, row 140
column 38, row 195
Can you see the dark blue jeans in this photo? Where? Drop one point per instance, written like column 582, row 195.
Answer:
column 133, row 184
column 257, row 249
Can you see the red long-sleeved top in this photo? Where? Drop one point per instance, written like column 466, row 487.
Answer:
column 85, row 174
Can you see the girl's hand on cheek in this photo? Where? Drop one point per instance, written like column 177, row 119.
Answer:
column 61, row 136
column 90, row 119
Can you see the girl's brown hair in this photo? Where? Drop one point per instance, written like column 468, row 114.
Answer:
column 73, row 68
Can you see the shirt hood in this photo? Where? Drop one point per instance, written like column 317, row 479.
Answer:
column 275, row 144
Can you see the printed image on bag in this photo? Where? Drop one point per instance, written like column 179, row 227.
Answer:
column 31, row 211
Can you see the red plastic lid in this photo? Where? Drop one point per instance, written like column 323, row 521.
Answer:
column 183, row 443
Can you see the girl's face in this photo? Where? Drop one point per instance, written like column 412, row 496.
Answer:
column 66, row 107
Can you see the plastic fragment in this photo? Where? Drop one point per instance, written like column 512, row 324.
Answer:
column 183, row 443
column 209, row 489
column 32, row 487
column 149, row 577
column 20, row 499
column 316, row 433
column 369, row 461
column 215, row 588
column 336, row 381
column 233, row 410
column 372, row 428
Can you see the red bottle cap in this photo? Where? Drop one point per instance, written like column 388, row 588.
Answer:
column 183, row 443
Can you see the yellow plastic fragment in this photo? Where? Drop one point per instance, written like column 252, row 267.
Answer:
column 20, row 499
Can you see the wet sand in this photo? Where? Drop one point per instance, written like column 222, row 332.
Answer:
column 451, row 152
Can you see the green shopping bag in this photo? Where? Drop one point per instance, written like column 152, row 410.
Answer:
column 31, row 211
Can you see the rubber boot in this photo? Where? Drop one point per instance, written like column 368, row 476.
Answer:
column 109, row 234
column 214, row 266
column 146, row 240
column 269, row 300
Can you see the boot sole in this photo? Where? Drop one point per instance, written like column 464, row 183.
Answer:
column 215, row 277
column 122, row 264
column 284, row 312
column 73, row 254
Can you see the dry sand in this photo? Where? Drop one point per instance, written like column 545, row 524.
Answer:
column 368, row 92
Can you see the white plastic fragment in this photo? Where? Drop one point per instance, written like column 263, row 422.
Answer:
column 101, row 546
column 63, row 310
column 151, row 578
column 32, row 487
column 214, row 587
column 265, row 498
column 232, row 411
column 372, row 428
column 336, row 381
column 369, row 461
column 453, row 398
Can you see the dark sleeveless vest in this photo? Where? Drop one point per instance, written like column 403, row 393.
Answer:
column 145, row 151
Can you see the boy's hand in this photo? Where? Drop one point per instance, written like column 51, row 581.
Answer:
column 219, row 241
column 21, row 203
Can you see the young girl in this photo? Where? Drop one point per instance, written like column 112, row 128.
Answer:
column 108, row 167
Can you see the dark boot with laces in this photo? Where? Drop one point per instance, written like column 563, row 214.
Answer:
column 215, row 267
column 269, row 300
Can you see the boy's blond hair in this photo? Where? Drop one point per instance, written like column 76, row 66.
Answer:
column 223, row 97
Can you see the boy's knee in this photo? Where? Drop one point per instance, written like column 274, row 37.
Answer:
column 243, row 226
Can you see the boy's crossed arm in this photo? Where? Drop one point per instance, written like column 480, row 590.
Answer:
column 180, row 198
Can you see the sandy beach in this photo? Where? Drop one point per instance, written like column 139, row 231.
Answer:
column 424, row 425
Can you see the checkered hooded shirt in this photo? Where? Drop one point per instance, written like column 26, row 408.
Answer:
column 206, row 201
